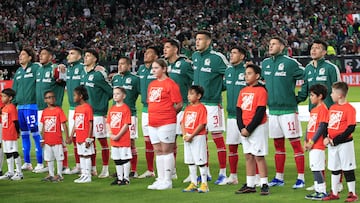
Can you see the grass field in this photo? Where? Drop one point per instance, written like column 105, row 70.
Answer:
column 31, row 189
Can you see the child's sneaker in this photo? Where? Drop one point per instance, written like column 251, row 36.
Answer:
column 116, row 182
column 75, row 170
column 147, row 174
column 66, row 171
column 37, row 168
column 124, row 182
column 264, row 189
column 58, row 178
column 319, row 196
column 232, row 180
column 276, row 182
column 104, row 173
column 48, row 179
column 6, row 176
column 331, row 197
column 298, row 184
column 191, row 188
column 203, row 188
column 17, row 176
column 311, row 196
column 86, row 179
column 133, row 174
column 79, row 179
column 351, row 197
column 27, row 167
column 164, row 185
column 221, row 180
column 154, row 185
column 245, row 189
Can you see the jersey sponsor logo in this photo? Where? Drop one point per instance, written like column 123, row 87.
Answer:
column 155, row 94
column 243, row 83
column 247, row 101
column 208, row 70
column 178, row 64
column 116, row 118
column 207, row 62
column 335, row 118
column 321, row 78
column 5, row 120
column 312, row 122
column 48, row 80
column 281, row 67
column 176, row 71
column 76, row 77
column 90, row 84
column 29, row 75
column 128, row 87
column 79, row 121
column 151, row 77
column 91, row 77
column 190, row 119
column 322, row 71
column 50, row 124
column 282, row 74
column 128, row 81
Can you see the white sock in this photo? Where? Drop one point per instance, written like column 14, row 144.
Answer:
column 321, row 187
column 222, row 171
column 351, row 186
column 233, row 175
column 93, row 168
column 10, row 162
column 51, row 168
column 59, row 167
column 208, row 171
column 203, row 174
column 82, row 166
column 335, row 179
column 160, row 167
column 301, row 176
column 1, row 158
column 105, row 168
column 193, row 176
column 279, row 176
column 168, row 161
column 263, row 181
column 18, row 164
column 127, row 170
column 77, row 165
column 250, row 181
column 120, row 172
column 88, row 166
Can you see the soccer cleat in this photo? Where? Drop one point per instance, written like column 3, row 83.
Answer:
column 221, row 180
column 264, row 189
column 58, row 178
column 351, row 197
column 203, row 188
column 331, row 197
column 276, row 182
column 27, row 167
column 191, row 188
column 154, row 185
column 298, row 184
column 133, row 174
column 164, row 185
column 319, row 196
column 187, row 179
column 232, row 180
column 124, row 182
column 245, row 189
column 75, row 170
column 104, row 174
column 311, row 188
column 66, row 171
column 147, row 174
column 79, row 179
column 6, row 176
column 116, row 182
column 17, row 176
column 40, row 169
column 85, row 179
column 48, row 179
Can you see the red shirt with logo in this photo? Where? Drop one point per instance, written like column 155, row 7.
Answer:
column 318, row 114
column 82, row 117
column 194, row 115
column 8, row 116
column 340, row 117
column 117, row 117
column 52, row 118
column 162, row 95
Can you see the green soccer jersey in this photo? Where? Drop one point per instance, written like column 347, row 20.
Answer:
column 280, row 73
column 146, row 77
column 325, row 73
column 46, row 79
column 182, row 73
column 98, row 88
column 209, row 69
column 24, row 84
column 234, row 82
column 131, row 83
column 73, row 78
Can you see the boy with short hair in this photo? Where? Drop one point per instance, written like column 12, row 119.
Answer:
column 53, row 119
column 316, row 130
column 117, row 124
column 193, row 127
column 341, row 153
column 10, row 134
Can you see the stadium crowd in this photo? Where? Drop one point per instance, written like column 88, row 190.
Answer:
column 120, row 27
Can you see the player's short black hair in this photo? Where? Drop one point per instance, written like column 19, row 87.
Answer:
column 94, row 53
column 173, row 42
column 122, row 89
column 128, row 60
column 204, row 32
column 322, row 42
column 82, row 91
column 319, row 89
column 47, row 92
column 156, row 50
column 198, row 89
column 241, row 49
column 30, row 51
column 280, row 39
column 342, row 86
column 48, row 49
column 9, row 92
column 255, row 67
column 77, row 49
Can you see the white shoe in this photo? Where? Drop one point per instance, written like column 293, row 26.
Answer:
column 147, row 174
column 104, row 174
column 6, row 176
column 37, row 168
column 231, row 180
column 311, row 188
column 85, row 179
column 164, row 185
column 27, row 167
column 17, row 176
column 66, row 171
column 340, row 187
column 79, row 179
column 75, row 170
column 42, row 170
column 154, row 185
column 187, row 179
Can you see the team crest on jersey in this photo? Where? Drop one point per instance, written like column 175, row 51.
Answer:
column 91, row 77
column 79, row 121
column 76, row 71
column 207, row 62
column 155, row 94
column 190, row 119
column 50, row 124
column 47, row 74
column 281, row 67
column 4, row 120
column 335, row 118
column 116, row 118
column 247, row 101
column 128, row 81
column 312, row 122
column 28, row 70
column 178, row 64
column 241, row 76
column 322, row 71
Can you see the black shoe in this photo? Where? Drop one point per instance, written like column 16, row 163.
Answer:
column 124, row 182
column 264, row 189
column 116, row 182
column 245, row 189
column 1, row 173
